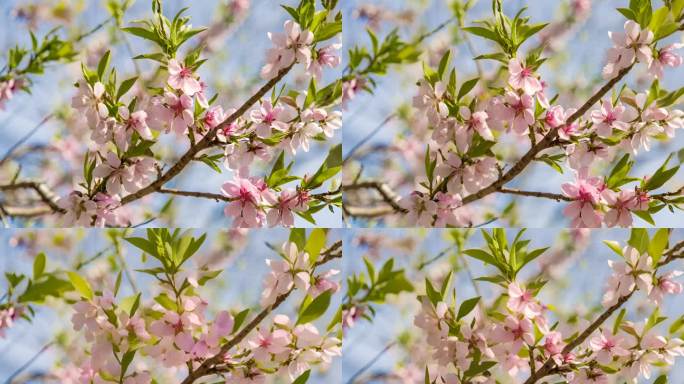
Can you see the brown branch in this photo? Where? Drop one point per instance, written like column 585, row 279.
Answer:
column 663, row 196
column 547, row 195
column 43, row 191
column 206, row 142
column 207, row 367
column 546, row 142
column 385, row 192
column 206, row 195
column 547, row 368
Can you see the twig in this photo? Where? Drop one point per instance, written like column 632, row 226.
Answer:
column 45, row 193
column 24, row 138
column 386, row 192
column 547, row 368
column 206, row 142
column 371, row 362
column 547, row 195
column 363, row 141
column 545, row 143
column 206, row 368
column 28, row 363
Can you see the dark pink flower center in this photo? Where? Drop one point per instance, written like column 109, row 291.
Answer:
column 185, row 72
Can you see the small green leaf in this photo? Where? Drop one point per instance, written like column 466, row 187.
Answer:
column 39, row 265
column 315, row 309
column 467, row 307
column 81, row 285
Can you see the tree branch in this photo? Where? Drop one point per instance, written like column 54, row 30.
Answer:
column 206, row 142
column 206, row 368
column 546, row 142
column 385, row 192
column 45, row 193
column 547, row 368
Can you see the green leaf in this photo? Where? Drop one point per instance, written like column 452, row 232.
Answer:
column 662, row 379
column 239, row 320
column 125, row 86
column 303, row 378
column 141, row 32
column 298, row 236
column 467, row 307
column 143, row 244
column 126, row 362
column 658, row 244
column 315, row 309
column 467, row 87
column 39, row 265
column 618, row 321
column 432, row 294
column 315, row 243
column 481, row 255
column 614, row 245
column 81, row 285
column 103, row 64
column 51, row 286
column 639, row 239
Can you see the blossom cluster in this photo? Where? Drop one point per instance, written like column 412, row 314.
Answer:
column 472, row 128
column 121, row 163
column 175, row 332
column 521, row 339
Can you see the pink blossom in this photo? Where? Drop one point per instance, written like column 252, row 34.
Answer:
column 607, row 346
column 633, row 43
column 633, row 273
column 522, row 301
column 589, row 376
column 621, row 204
column 350, row 88
column 283, row 206
column 172, row 113
column 609, row 117
column 89, row 101
column 522, row 77
column 136, row 121
column 323, row 283
column 325, row 57
column 507, row 355
column 519, row 112
column 302, row 132
column 7, row 317
column 265, row 343
column 665, row 57
column 421, row 209
column 447, row 212
column 213, row 117
column 430, row 101
column 585, row 193
column 555, row 117
column 245, row 205
column 285, row 274
column 472, row 122
column 182, row 78
column 269, row 117
column 665, row 284
column 239, row 155
column 329, row 122
column 584, row 152
column 288, row 48
column 514, row 330
column 80, row 210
